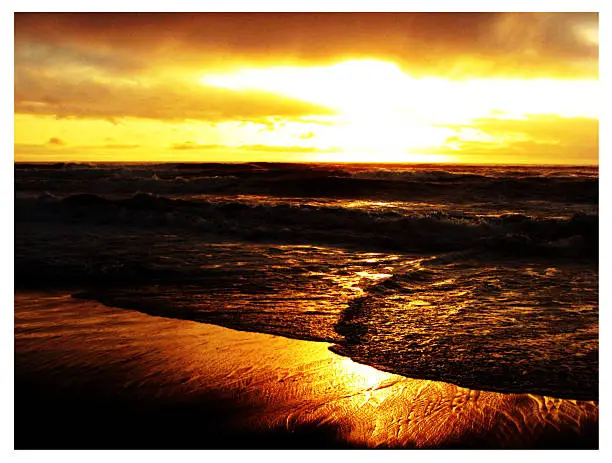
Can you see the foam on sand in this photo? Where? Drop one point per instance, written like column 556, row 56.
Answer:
column 90, row 376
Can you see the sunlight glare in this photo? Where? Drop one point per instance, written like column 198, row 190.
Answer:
column 386, row 115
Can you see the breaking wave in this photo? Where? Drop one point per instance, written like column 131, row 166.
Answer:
column 485, row 277
column 428, row 231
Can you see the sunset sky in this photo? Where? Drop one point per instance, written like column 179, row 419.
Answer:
column 366, row 87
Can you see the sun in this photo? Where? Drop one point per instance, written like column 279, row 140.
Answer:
column 371, row 122
column 383, row 114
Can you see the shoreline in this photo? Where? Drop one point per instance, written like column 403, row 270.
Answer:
column 89, row 376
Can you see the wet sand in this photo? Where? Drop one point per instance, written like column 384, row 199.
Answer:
column 89, row 376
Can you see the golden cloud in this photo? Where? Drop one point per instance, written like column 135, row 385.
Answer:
column 66, row 95
column 444, row 44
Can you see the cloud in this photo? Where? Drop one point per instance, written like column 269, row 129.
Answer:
column 187, row 151
column 286, row 149
column 55, row 141
column 191, row 145
column 525, row 44
column 57, row 145
column 88, row 96
column 544, row 138
column 118, row 146
column 549, row 129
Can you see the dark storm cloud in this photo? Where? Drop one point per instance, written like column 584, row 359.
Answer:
column 435, row 43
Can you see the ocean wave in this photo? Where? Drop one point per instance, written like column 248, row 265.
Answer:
column 422, row 231
column 502, row 325
column 497, row 325
column 454, row 185
column 484, row 277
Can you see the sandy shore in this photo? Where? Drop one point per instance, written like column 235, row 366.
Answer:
column 90, row 376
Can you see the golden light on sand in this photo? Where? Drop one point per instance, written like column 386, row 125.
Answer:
column 362, row 378
column 281, row 383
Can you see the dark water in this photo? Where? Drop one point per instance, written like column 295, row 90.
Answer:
column 486, row 277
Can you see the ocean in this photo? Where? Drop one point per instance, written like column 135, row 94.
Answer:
column 485, row 277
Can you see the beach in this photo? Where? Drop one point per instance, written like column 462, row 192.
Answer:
column 306, row 230
column 90, row 376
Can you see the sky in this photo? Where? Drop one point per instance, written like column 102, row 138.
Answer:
column 507, row 88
